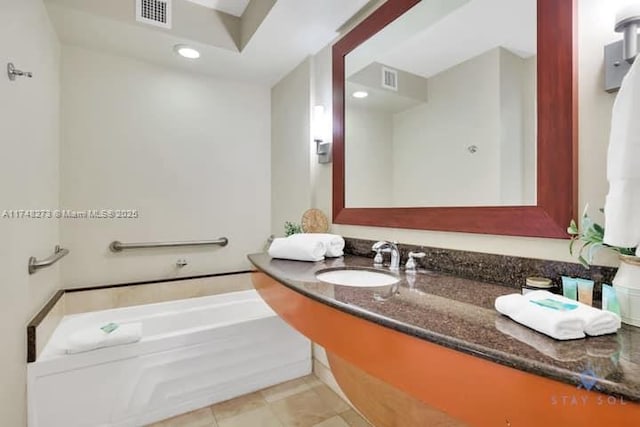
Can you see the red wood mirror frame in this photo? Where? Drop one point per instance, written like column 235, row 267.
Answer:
column 557, row 182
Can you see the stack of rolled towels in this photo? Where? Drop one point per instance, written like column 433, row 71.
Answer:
column 556, row 316
column 307, row 247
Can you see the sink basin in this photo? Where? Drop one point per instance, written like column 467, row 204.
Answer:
column 357, row 277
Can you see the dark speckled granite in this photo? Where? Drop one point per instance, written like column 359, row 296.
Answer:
column 458, row 313
column 507, row 270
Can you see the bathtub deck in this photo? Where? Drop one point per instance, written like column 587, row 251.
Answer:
column 302, row 402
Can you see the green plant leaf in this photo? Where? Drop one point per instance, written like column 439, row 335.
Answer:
column 591, row 234
column 291, row 228
column 583, row 261
column 571, row 245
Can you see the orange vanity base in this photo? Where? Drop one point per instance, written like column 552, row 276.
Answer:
column 383, row 404
column 470, row 389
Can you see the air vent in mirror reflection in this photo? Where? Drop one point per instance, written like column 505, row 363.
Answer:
column 154, row 12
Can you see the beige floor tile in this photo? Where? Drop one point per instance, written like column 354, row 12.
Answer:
column 302, row 410
column 333, row 422
column 261, row 417
column 284, row 390
column 331, row 398
column 312, row 380
column 354, row 419
column 326, row 377
column 199, row 418
column 238, row 405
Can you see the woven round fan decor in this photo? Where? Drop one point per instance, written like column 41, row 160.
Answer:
column 314, row 221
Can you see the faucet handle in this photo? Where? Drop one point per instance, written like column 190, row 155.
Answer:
column 378, row 259
column 411, row 263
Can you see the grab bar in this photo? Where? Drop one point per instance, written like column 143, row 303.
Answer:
column 58, row 254
column 117, row 246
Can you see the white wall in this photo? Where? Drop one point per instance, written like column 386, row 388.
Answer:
column 369, row 154
column 291, row 147
column 430, row 138
column 595, row 23
column 419, row 156
column 517, row 115
column 189, row 152
column 530, row 131
column 29, row 118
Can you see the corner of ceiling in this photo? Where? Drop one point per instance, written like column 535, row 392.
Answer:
column 253, row 16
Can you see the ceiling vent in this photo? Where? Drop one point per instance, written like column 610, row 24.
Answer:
column 154, row 12
column 389, row 79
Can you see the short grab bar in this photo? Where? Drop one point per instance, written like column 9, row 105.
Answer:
column 117, row 246
column 58, row 254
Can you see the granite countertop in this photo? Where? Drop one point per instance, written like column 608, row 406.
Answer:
column 458, row 313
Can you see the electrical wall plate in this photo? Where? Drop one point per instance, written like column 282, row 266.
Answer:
column 323, row 150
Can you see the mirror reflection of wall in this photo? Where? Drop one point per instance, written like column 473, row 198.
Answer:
column 449, row 117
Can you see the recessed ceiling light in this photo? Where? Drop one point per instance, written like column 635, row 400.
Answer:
column 360, row 94
column 186, row 51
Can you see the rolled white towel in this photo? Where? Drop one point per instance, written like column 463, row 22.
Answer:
column 96, row 337
column 510, row 304
column 333, row 243
column 596, row 322
column 561, row 325
column 297, row 249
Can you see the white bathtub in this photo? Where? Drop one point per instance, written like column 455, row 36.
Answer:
column 193, row 353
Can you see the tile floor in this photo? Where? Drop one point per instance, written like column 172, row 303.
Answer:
column 305, row 402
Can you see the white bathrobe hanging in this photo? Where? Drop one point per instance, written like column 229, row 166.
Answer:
column 622, row 207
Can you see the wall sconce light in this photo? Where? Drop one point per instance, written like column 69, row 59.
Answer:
column 320, row 127
column 619, row 56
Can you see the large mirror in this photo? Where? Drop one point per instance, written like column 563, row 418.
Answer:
column 457, row 115
column 445, row 115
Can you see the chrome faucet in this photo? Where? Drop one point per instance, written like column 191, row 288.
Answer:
column 384, row 246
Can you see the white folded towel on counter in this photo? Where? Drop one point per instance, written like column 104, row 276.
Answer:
column 557, row 323
column 333, row 244
column 596, row 321
column 622, row 206
column 95, row 337
column 561, row 325
column 297, row 249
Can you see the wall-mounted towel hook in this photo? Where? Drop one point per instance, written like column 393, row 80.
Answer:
column 13, row 72
column 618, row 56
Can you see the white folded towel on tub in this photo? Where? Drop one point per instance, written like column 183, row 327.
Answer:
column 98, row 336
column 297, row 249
column 333, row 243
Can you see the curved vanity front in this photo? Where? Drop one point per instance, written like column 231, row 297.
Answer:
column 438, row 339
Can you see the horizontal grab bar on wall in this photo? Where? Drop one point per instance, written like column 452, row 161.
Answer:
column 58, row 254
column 117, row 246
